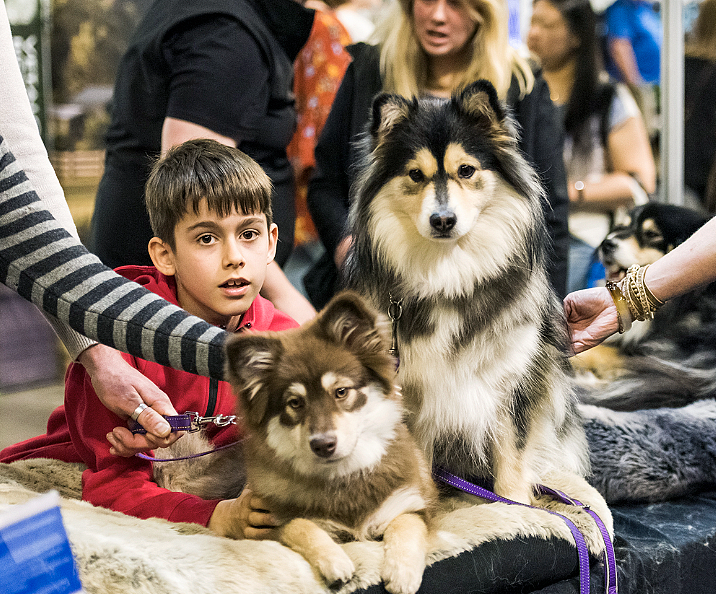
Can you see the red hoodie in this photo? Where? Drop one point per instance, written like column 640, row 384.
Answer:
column 76, row 432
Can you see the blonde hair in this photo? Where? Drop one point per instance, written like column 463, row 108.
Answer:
column 404, row 64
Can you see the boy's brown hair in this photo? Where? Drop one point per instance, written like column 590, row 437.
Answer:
column 204, row 169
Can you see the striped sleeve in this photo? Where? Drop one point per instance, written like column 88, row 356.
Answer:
column 46, row 265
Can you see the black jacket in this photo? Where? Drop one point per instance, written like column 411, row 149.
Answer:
column 173, row 54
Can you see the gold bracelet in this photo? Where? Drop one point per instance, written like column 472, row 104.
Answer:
column 642, row 303
column 654, row 301
column 623, row 313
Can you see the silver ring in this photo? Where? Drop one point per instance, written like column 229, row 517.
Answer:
column 138, row 411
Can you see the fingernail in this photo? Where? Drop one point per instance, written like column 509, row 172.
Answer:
column 163, row 429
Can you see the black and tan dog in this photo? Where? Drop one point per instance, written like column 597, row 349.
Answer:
column 449, row 236
column 660, row 358
column 649, row 232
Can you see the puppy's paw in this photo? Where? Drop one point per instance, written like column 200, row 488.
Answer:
column 402, row 576
column 319, row 549
column 405, row 545
column 335, row 567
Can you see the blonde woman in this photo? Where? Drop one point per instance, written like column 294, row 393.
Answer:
column 433, row 47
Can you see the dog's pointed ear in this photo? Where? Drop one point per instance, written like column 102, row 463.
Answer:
column 349, row 320
column 250, row 361
column 479, row 99
column 388, row 110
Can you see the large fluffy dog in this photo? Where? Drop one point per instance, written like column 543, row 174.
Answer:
column 326, row 446
column 449, row 238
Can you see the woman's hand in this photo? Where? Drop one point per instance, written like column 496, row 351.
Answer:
column 244, row 517
column 591, row 317
column 122, row 388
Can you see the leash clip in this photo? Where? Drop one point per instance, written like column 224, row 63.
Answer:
column 199, row 422
column 395, row 311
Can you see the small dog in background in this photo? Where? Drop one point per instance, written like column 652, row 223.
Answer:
column 326, row 447
column 663, row 360
column 649, row 232
column 449, row 237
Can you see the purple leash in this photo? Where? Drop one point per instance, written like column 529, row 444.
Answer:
column 191, row 422
column 610, row 567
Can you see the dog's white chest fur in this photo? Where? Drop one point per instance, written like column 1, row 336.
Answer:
column 463, row 391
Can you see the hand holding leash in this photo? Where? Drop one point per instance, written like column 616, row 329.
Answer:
column 122, row 389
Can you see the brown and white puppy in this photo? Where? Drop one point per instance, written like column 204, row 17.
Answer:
column 326, row 446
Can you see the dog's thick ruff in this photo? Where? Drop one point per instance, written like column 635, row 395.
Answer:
column 126, row 555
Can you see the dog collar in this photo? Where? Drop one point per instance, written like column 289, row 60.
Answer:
column 189, row 421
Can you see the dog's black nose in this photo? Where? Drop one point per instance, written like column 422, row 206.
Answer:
column 608, row 246
column 324, row 445
column 443, row 222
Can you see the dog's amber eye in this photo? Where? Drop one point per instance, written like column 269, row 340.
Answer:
column 416, row 175
column 341, row 393
column 465, row 171
column 295, row 402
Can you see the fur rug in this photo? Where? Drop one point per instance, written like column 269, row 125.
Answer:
column 652, row 455
column 120, row 554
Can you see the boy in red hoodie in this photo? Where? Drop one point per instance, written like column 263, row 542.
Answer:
column 210, row 211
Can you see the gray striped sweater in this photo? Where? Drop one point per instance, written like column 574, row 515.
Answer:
column 42, row 262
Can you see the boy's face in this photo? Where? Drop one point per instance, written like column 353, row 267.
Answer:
column 219, row 263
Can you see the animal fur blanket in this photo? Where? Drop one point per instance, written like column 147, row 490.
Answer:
column 120, row 554
column 652, row 455
column 646, row 455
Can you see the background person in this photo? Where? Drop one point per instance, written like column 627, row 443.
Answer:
column 220, row 69
column 432, row 47
column 606, row 149
column 700, row 109
column 633, row 38
column 318, row 70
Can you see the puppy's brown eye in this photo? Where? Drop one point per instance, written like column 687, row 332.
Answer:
column 295, row 403
column 416, row 175
column 341, row 393
column 465, row 171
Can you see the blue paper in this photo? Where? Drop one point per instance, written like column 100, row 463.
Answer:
column 35, row 554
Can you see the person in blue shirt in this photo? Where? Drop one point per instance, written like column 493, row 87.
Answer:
column 634, row 35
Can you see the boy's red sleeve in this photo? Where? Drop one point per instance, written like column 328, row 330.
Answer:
column 121, row 484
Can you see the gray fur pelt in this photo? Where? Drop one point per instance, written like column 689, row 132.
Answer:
column 651, row 455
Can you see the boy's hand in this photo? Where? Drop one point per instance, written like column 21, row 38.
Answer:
column 243, row 517
column 126, row 444
column 122, row 388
